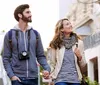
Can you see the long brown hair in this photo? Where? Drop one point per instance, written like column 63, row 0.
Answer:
column 57, row 41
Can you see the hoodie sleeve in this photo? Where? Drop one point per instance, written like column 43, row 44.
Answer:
column 7, row 56
column 41, row 58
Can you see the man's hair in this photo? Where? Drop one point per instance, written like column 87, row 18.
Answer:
column 19, row 10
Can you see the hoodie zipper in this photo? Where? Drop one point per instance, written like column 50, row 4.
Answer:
column 26, row 50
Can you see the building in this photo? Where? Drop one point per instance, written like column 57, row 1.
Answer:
column 85, row 17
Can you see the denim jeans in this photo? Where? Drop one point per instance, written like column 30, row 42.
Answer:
column 65, row 83
column 25, row 81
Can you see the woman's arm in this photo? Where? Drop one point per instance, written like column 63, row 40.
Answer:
column 81, row 48
column 51, row 58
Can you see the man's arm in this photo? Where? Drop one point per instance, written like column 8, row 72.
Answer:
column 40, row 55
column 6, row 56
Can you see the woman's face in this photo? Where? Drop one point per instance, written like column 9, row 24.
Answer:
column 67, row 27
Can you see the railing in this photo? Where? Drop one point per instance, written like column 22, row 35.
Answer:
column 92, row 41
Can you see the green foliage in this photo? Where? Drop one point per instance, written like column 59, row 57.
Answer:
column 91, row 82
column 3, row 30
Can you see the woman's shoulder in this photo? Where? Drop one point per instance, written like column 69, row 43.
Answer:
column 50, row 49
column 80, row 40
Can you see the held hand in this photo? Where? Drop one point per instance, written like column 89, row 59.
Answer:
column 46, row 74
column 78, row 54
column 15, row 78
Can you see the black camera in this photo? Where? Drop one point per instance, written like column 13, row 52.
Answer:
column 24, row 55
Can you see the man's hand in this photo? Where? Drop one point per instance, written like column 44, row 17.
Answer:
column 78, row 54
column 15, row 78
column 46, row 74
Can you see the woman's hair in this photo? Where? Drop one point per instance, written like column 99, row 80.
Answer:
column 57, row 41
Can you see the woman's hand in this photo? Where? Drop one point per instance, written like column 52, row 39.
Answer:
column 78, row 54
column 46, row 74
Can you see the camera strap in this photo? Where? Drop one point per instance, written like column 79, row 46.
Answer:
column 28, row 40
column 16, row 34
column 17, row 40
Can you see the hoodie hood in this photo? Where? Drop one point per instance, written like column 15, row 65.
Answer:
column 18, row 28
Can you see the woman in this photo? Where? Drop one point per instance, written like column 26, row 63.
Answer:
column 65, row 51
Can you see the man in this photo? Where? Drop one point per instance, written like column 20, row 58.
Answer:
column 21, row 54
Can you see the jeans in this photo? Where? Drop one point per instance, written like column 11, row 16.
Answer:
column 25, row 81
column 65, row 83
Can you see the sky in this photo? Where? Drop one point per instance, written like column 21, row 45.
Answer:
column 44, row 16
column 65, row 7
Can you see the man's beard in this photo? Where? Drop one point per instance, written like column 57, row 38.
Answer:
column 26, row 19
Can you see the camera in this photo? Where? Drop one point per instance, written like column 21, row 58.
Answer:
column 24, row 55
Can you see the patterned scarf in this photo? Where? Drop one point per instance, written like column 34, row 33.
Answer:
column 69, row 42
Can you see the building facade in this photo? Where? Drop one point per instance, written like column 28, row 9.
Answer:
column 85, row 18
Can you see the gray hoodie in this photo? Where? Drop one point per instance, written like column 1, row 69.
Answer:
column 25, row 68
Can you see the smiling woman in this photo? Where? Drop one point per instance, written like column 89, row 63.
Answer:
column 65, row 51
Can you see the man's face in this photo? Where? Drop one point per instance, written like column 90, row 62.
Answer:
column 26, row 16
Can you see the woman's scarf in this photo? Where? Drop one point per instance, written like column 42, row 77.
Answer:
column 69, row 42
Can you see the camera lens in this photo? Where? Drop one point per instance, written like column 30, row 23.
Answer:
column 24, row 53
